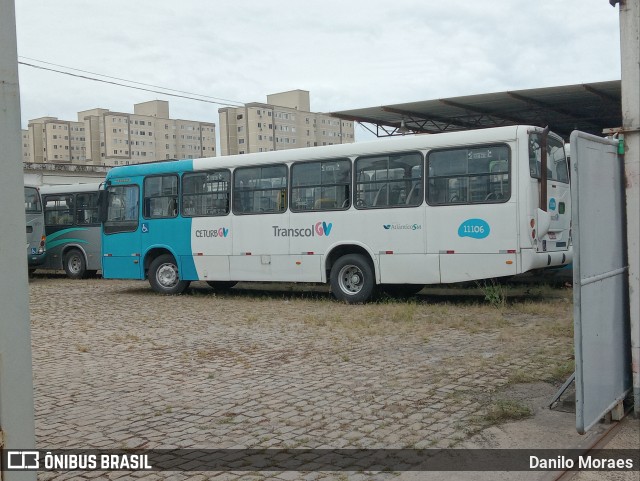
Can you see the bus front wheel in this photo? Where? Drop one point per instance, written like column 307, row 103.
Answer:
column 352, row 279
column 74, row 264
column 164, row 276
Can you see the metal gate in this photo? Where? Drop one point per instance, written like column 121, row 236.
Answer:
column 601, row 297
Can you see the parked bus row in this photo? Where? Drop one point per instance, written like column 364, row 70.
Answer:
column 396, row 213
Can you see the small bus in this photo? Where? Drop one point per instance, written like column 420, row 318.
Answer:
column 36, row 250
column 72, row 228
column 395, row 214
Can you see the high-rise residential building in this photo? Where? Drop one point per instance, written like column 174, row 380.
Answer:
column 284, row 122
column 49, row 139
column 103, row 137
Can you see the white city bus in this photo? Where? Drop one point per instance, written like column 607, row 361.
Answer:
column 396, row 213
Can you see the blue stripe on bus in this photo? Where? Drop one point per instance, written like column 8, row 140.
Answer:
column 66, row 240
column 65, row 231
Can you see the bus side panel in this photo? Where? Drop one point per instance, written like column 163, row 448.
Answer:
column 475, row 241
column 409, row 269
column 121, row 267
column 172, row 234
column 276, row 268
column 469, row 267
column 260, row 250
column 35, row 230
column 59, row 238
column 314, row 233
column 92, row 248
column 121, row 257
column 211, row 246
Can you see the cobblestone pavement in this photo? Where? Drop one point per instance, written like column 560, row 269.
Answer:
column 117, row 366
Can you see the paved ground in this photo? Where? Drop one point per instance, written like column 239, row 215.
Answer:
column 117, row 366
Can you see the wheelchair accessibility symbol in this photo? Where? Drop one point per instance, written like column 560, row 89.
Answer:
column 145, row 228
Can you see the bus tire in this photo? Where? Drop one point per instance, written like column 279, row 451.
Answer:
column 221, row 285
column 352, row 279
column 74, row 264
column 164, row 276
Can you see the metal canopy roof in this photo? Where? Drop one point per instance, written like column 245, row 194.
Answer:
column 589, row 107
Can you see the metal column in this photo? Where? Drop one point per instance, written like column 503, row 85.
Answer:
column 630, row 56
column 16, row 385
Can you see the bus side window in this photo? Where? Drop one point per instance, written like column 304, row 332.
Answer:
column 160, row 196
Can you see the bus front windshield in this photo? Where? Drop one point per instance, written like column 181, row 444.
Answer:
column 32, row 203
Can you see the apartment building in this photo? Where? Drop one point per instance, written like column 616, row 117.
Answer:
column 103, row 137
column 48, row 139
column 284, row 122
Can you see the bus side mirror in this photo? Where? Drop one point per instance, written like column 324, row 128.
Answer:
column 102, row 206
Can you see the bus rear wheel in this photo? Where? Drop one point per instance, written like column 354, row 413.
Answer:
column 164, row 276
column 74, row 264
column 352, row 279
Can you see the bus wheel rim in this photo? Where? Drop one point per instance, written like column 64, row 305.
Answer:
column 167, row 275
column 74, row 264
column 351, row 279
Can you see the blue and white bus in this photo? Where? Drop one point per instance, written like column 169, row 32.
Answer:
column 396, row 213
column 72, row 227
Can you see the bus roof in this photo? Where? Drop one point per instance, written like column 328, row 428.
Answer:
column 70, row 188
column 378, row 146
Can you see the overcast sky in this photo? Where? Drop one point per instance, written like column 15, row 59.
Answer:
column 347, row 53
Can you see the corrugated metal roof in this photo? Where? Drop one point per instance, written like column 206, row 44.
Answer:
column 590, row 107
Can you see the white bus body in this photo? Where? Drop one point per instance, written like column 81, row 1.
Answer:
column 417, row 210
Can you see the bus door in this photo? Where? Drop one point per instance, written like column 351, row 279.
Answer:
column 161, row 227
column 121, row 256
column 58, row 219
column 472, row 216
column 550, row 211
column 260, row 225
